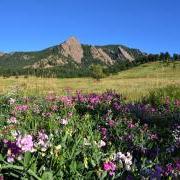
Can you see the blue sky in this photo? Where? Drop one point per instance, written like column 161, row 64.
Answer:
column 150, row 25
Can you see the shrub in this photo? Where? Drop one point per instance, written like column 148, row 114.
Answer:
column 97, row 72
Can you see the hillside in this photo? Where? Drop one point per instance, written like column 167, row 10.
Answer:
column 133, row 83
column 70, row 56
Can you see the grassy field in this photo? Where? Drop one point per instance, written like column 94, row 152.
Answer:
column 134, row 83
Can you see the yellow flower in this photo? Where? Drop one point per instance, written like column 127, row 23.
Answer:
column 57, row 150
column 69, row 132
column 86, row 162
column 58, row 147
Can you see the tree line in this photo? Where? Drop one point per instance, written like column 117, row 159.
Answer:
column 93, row 69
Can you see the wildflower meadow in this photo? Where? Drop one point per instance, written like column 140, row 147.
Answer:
column 88, row 136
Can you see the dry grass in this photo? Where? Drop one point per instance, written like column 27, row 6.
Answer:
column 134, row 83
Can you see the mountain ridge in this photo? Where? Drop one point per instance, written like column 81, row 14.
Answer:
column 73, row 49
column 68, row 56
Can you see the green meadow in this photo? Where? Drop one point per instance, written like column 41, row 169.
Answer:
column 134, row 83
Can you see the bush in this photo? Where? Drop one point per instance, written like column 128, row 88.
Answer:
column 97, row 72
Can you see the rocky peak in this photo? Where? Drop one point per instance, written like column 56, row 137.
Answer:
column 72, row 39
column 72, row 48
column 125, row 54
column 98, row 53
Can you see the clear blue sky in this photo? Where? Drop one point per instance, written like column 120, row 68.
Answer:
column 150, row 25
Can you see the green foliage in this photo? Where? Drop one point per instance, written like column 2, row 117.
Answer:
column 97, row 72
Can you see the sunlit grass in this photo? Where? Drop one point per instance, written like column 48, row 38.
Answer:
column 134, row 83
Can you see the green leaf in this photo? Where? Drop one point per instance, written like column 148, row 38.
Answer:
column 47, row 176
column 1, row 157
column 27, row 159
column 93, row 163
column 103, row 175
column 73, row 166
column 34, row 167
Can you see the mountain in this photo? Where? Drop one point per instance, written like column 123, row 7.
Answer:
column 67, row 55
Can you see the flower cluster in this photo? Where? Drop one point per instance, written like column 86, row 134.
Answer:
column 21, row 108
column 25, row 143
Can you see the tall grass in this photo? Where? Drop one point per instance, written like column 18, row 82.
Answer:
column 134, row 83
column 162, row 95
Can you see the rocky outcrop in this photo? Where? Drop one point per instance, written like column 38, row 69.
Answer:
column 72, row 48
column 98, row 53
column 50, row 61
column 124, row 54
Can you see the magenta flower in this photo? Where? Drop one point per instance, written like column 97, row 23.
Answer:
column 94, row 99
column 110, row 167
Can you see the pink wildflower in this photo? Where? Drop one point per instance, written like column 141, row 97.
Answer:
column 12, row 120
column 67, row 100
column 22, row 108
column 25, row 143
column 110, row 167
